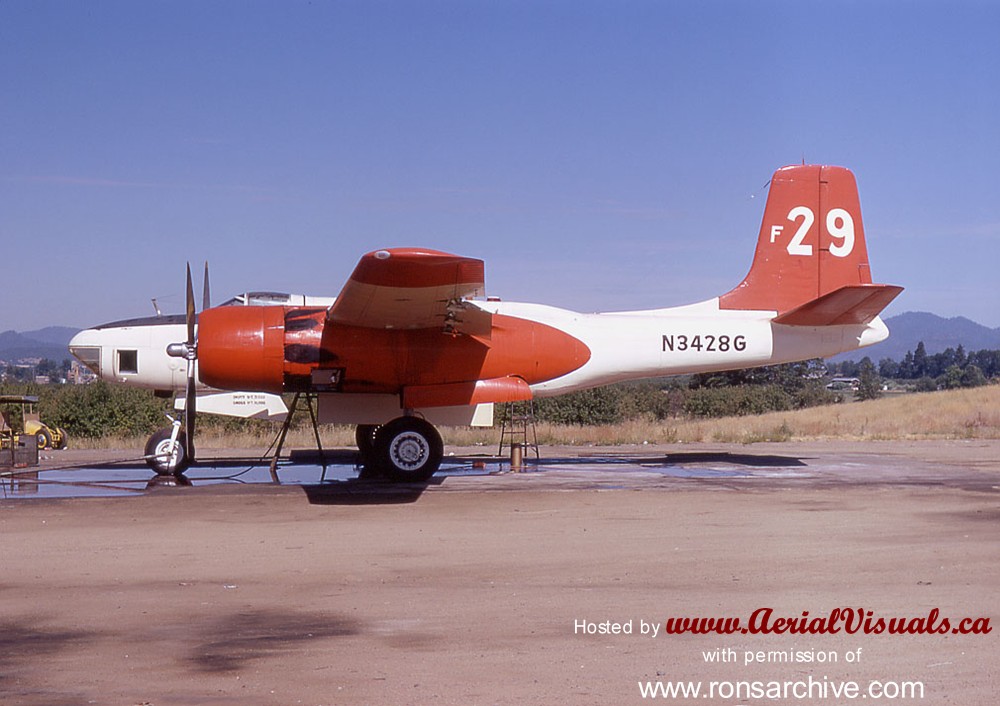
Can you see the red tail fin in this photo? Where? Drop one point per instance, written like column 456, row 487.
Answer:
column 811, row 243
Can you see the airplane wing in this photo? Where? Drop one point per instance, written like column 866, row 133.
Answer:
column 410, row 288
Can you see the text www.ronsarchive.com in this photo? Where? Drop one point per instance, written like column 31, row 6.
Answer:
column 809, row 688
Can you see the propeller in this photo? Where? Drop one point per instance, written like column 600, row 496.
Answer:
column 189, row 351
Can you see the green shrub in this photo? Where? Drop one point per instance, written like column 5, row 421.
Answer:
column 99, row 409
column 736, row 400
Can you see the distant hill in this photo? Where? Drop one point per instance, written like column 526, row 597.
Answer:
column 56, row 335
column 908, row 329
column 50, row 342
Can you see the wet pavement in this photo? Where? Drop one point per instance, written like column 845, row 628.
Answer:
column 105, row 478
column 966, row 464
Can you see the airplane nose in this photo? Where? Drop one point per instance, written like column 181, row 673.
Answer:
column 87, row 350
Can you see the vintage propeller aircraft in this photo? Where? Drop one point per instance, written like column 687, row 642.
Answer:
column 411, row 343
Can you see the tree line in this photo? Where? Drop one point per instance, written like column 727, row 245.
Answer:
column 952, row 368
column 99, row 409
column 771, row 388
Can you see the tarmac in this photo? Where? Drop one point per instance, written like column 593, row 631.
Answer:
column 552, row 585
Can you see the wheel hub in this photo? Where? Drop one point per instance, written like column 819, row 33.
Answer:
column 168, row 450
column 409, row 451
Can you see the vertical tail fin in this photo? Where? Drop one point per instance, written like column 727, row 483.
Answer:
column 811, row 262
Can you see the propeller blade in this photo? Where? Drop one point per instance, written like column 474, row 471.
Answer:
column 190, row 308
column 206, row 296
column 190, row 411
column 190, row 396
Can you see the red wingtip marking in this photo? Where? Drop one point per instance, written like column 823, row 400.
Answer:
column 417, row 267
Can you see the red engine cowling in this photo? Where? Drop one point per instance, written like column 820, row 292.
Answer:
column 242, row 348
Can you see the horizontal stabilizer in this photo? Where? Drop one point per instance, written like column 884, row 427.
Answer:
column 506, row 389
column 851, row 304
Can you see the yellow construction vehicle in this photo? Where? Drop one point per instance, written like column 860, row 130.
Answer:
column 46, row 437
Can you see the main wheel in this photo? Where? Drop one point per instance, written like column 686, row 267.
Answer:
column 408, row 450
column 364, row 436
column 166, row 457
column 63, row 439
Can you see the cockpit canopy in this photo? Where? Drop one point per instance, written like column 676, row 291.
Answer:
column 266, row 299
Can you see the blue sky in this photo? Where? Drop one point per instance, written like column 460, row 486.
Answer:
column 597, row 155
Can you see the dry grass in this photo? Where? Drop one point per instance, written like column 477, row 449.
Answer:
column 952, row 414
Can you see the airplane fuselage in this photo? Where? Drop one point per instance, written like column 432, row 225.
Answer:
column 134, row 352
column 682, row 340
column 553, row 350
column 281, row 349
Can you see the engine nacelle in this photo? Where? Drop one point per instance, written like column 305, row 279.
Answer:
column 285, row 349
column 242, row 348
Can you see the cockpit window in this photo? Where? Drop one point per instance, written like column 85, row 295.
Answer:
column 259, row 299
column 89, row 356
column 128, row 362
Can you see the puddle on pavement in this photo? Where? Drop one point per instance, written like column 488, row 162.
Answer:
column 112, row 478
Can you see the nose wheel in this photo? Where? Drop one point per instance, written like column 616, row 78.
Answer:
column 166, row 452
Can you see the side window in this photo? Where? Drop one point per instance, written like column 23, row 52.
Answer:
column 128, row 362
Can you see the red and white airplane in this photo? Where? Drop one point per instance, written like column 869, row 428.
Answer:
column 411, row 343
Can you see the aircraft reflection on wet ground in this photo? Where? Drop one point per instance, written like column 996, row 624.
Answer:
column 337, row 471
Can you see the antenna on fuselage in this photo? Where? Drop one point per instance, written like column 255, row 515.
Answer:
column 156, row 308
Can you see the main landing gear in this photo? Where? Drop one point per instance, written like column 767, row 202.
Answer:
column 405, row 450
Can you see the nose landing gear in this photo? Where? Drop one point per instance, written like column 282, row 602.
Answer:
column 166, row 450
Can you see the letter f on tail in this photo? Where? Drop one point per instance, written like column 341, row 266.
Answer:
column 811, row 263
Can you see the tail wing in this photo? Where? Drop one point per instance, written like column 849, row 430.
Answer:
column 811, row 263
column 851, row 304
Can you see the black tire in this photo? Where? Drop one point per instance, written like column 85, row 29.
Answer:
column 408, row 450
column 63, row 439
column 158, row 453
column 43, row 439
column 364, row 436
